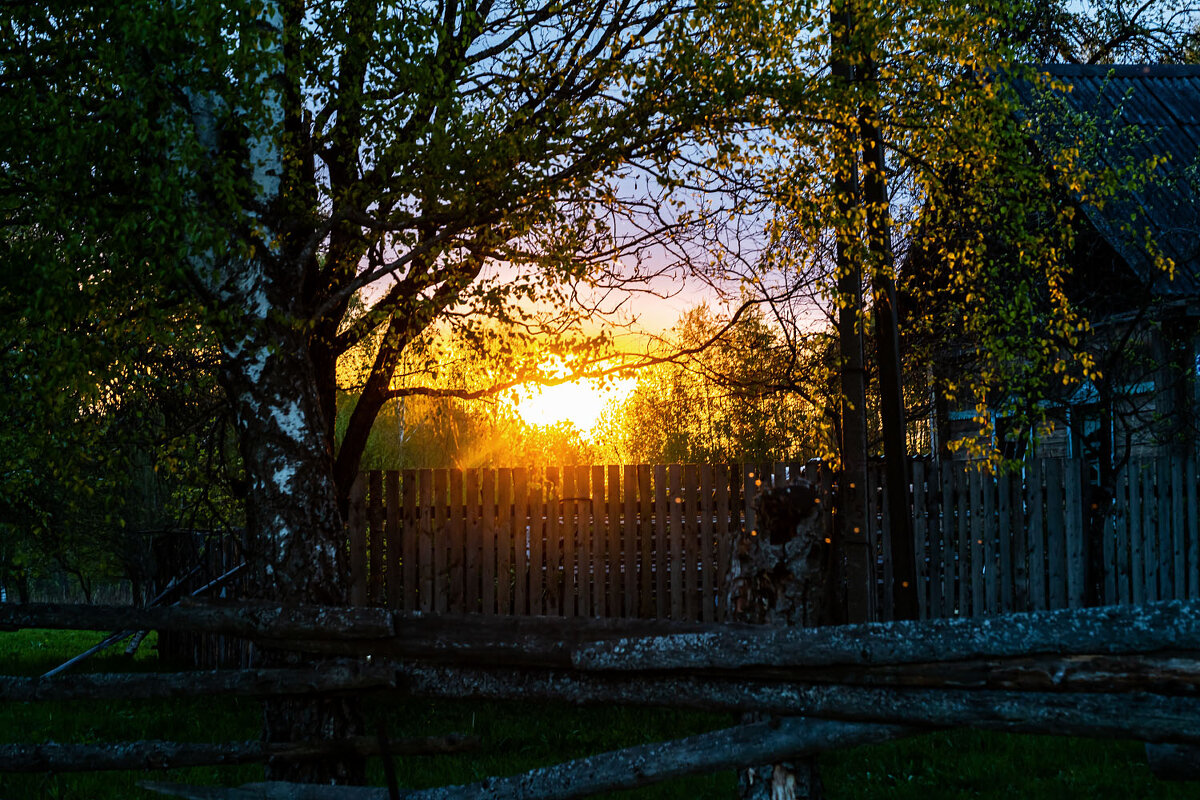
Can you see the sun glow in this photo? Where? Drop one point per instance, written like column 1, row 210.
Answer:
column 579, row 402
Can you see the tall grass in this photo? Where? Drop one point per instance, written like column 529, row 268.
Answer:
column 519, row 736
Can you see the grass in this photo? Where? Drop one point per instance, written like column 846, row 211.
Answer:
column 519, row 736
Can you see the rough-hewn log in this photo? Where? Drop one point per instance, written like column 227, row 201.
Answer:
column 1135, row 715
column 620, row 769
column 53, row 757
column 1174, row 762
column 153, row 685
column 244, row 619
column 1171, row 625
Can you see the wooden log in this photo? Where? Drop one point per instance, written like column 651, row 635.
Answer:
column 157, row 685
column 1171, row 625
column 152, row 754
column 630, row 768
column 1136, row 715
column 249, row 619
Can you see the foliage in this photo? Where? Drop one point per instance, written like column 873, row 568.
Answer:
column 749, row 396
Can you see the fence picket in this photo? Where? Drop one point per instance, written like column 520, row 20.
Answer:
column 427, row 540
column 554, row 544
column 612, row 558
column 1149, row 540
column 488, row 528
column 708, row 599
column 375, row 545
column 504, row 540
column 1074, row 542
column 572, row 544
column 536, row 533
column 661, row 505
column 921, row 539
column 1178, row 517
column 645, row 542
column 1121, row 545
column 1020, row 544
column 598, row 534
column 1056, row 542
column 473, row 541
column 1004, row 570
column 412, row 528
column 1192, row 487
column 630, row 541
column 441, row 543
column 691, row 541
column 1162, row 485
column 456, row 537
column 1137, row 567
column 357, row 530
column 724, row 534
column 393, row 537
column 520, row 541
column 1037, row 538
column 676, row 540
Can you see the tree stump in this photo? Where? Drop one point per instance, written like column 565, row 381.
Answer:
column 780, row 575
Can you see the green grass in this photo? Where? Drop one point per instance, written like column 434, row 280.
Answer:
column 519, row 736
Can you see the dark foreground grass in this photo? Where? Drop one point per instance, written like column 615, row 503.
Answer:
column 520, row 736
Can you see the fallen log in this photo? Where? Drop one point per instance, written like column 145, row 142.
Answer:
column 646, row 645
column 249, row 683
column 253, row 620
column 1110, row 630
column 1135, row 715
column 151, row 754
column 620, row 769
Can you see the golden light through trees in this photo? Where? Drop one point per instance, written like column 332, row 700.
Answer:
column 579, row 402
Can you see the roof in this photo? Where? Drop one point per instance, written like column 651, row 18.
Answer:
column 1162, row 102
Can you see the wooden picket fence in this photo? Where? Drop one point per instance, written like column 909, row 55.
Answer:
column 654, row 541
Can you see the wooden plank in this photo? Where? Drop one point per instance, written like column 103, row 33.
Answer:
column 504, row 541
column 675, row 492
column 375, row 537
column 750, row 484
column 487, row 533
column 962, row 538
column 879, row 535
column 554, row 559
column 691, row 542
column 1076, row 554
column 662, row 505
column 1004, row 534
column 616, row 582
column 921, row 539
column 1137, row 540
column 570, row 549
column 599, row 541
column 1037, row 536
column 393, row 536
column 412, row 535
column 583, row 542
column 1056, row 540
column 441, row 541
column 427, row 540
column 987, row 497
column 356, row 525
column 1020, row 543
column 1108, row 555
column 456, row 524
column 1193, row 526
column 1121, row 544
column 646, row 542
column 978, row 566
column 473, row 542
column 520, row 541
column 1149, row 541
column 630, row 540
column 724, row 533
column 537, row 550
column 1178, row 517
column 946, row 538
column 1166, row 571
column 708, row 597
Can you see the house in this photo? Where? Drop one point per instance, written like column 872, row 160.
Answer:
column 1135, row 266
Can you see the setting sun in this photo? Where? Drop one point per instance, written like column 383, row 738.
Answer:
column 579, row 402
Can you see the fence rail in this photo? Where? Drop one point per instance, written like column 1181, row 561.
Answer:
column 654, row 541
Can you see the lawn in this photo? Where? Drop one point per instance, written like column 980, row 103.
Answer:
column 518, row 736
